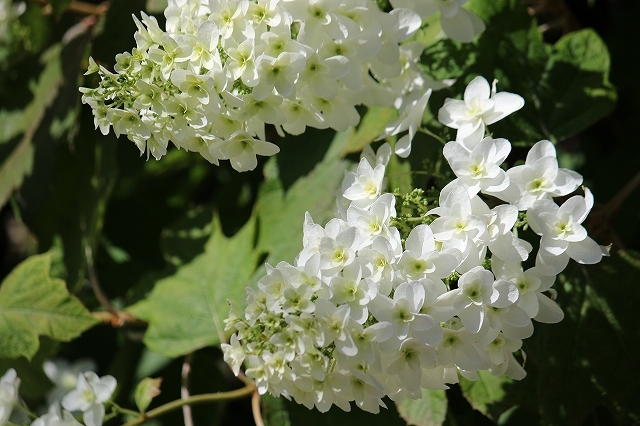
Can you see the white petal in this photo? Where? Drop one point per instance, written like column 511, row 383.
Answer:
column 478, row 88
column 463, row 26
column 505, row 104
column 549, row 312
column 472, row 317
column 586, row 251
column 94, row 415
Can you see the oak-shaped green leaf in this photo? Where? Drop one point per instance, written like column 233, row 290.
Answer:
column 430, row 410
column 33, row 304
column 185, row 311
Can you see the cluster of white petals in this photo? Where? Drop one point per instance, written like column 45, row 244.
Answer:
column 9, row 384
column 223, row 69
column 366, row 313
column 89, row 396
column 64, row 376
column 77, row 389
column 482, row 105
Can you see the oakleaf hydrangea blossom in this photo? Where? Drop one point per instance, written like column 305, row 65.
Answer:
column 222, row 69
column 9, row 384
column 90, row 394
column 64, row 376
column 541, row 178
column 365, row 312
column 482, row 105
column 562, row 233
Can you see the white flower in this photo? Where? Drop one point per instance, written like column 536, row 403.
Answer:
column 56, row 417
column 479, row 169
column 90, row 394
column 481, row 106
column 403, row 312
column 531, row 284
column 540, row 178
column 458, row 347
column 241, row 149
column 9, row 384
column 410, row 119
column 64, row 376
column 456, row 227
column 234, row 354
column 477, row 290
column 411, row 357
column 364, row 186
column 563, row 236
column 421, row 259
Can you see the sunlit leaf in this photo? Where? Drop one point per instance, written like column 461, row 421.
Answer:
column 33, row 304
column 185, row 311
column 431, row 410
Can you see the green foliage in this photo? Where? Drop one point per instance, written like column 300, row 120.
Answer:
column 185, row 311
column 274, row 412
column 19, row 161
column 372, row 124
column 33, row 304
column 431, row 410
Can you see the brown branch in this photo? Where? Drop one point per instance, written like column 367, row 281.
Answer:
column 119, row 319
column 112, row 315
column 255, row 408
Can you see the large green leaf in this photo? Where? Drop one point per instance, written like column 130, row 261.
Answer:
column 33, row 304
column 565, row 86
column 185, row 311
column 431, row 410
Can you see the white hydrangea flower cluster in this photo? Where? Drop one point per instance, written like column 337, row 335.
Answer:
column 224, row 68
column 365, row 313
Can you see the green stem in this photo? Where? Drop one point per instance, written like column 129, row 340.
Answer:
column 121, row 410
column 433, row 135
column 25, row 410
column 192, row 400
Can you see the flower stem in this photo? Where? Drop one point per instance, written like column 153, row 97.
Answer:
column 433, row 135
column 249, row 389
column 121, row 410
column 25, row 410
